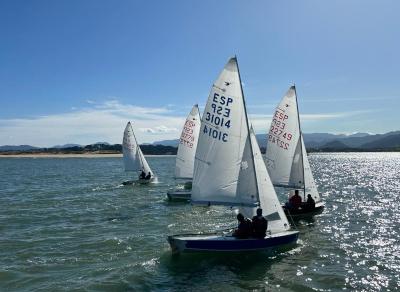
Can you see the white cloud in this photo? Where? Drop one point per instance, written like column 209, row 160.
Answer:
column 101, row 122
column 159, row 129
column 106, row 122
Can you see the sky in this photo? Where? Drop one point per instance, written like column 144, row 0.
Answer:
column 76, row 71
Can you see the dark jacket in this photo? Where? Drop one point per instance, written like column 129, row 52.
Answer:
column 260, row 226
column 244, row 230
column 310, row 203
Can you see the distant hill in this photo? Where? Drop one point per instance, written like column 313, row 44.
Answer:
column 387, row 141
column 66, row 146
column 313, row 141
column 331, row 142
column 17, row 148
column 95, row 148
column 336, row 144
column 173, row 142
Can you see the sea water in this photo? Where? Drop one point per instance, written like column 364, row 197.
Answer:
column 69, row 224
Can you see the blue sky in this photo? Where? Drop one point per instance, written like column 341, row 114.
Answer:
column 76, row 71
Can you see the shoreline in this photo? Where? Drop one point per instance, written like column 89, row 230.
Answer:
column 119, row 155
column 69, row 155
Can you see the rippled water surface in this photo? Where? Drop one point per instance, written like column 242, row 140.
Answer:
column 68, row 224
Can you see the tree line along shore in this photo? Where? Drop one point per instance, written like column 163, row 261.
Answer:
column 156, row 150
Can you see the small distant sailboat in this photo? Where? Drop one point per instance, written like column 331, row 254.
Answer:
column 286, row 157
column 134, row 159
column 185, row 156
column 229, row 171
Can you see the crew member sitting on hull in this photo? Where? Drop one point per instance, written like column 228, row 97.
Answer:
column 295, row 201
column 148, row 176
column 260, row 225
column 245, row 228
column 142, row 175
column 310, row 204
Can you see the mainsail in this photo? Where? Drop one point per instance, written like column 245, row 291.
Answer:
column 134, row 159
column 222, row 140
column 228, row 168
column 188, row 145
column 286, row 156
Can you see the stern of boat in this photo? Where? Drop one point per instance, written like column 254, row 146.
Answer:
column 176, row 245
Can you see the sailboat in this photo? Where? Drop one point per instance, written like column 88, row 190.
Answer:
column 229, row 171
column 134, row 159
column 286, row 156
column 185, row 156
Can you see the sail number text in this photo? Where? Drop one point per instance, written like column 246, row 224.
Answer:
column 187, row 137
column 218, row 117
column 277, row 133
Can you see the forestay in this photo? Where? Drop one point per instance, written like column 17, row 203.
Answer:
column 223, row 142
column 188, row 145
column 284, row 158
column 134, row 159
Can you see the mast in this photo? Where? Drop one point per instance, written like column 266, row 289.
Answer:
column 301, row 143
column 248, row 130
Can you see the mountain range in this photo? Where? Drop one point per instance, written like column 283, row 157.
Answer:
column 313, row 141
column 333, row 142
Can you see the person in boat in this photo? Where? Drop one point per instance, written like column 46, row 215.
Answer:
column 142, row 175
column 260, row 225
column 245, row 228
column 295, row 201
column 310, row 204
column 148, row 176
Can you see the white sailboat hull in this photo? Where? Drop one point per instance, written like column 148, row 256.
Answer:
column 227, row 243
column 179, row 195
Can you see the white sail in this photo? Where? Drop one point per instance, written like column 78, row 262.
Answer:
column 188, row 145
column 269, row 202
column 284, row 157
column 130, row 149
column 310, row 186
column 144, row 164
column 133, row 157
column 223, row 152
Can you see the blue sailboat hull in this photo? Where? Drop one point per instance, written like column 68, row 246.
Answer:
column 228, row 243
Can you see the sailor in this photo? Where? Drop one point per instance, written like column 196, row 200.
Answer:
column 310, row 205
column 295, row 200
column 245, row 228
column 260, row 225
column 148, row 176
column 142, row 175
